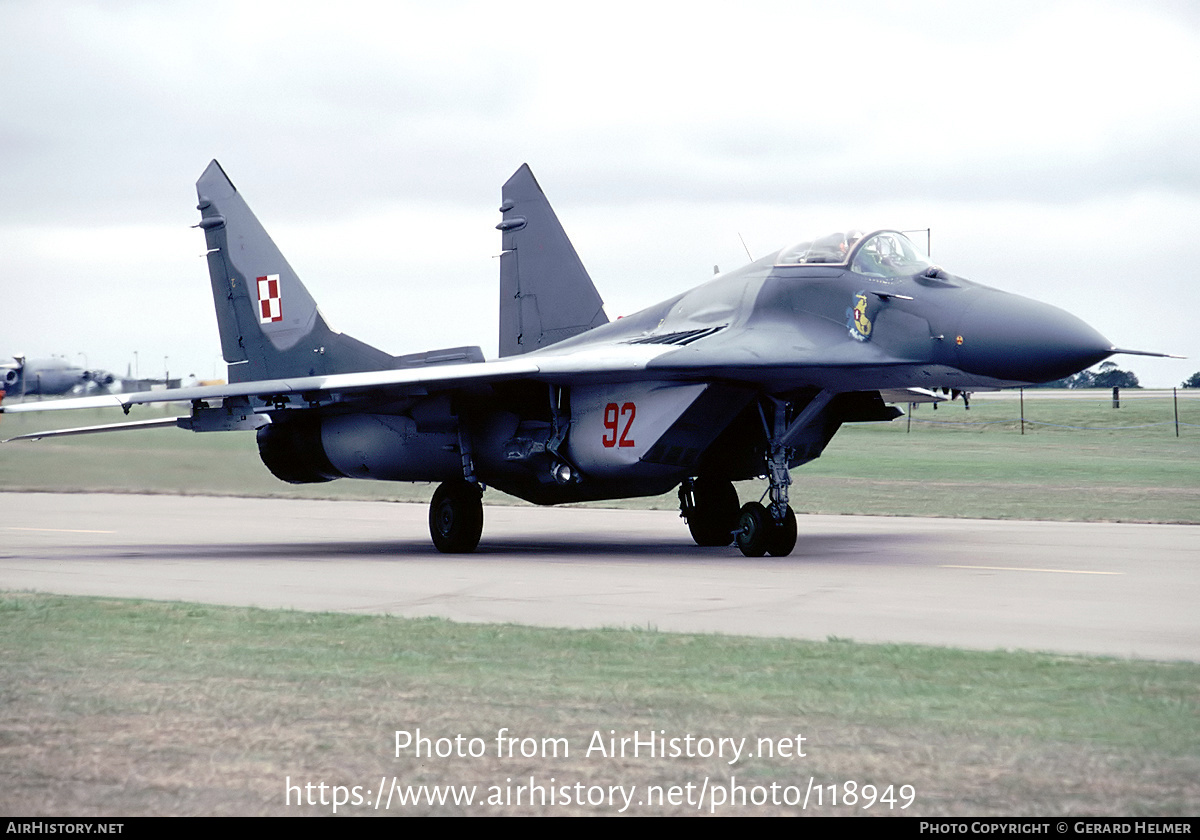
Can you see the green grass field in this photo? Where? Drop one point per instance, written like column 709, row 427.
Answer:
column 1079, row 459
column 124, row 707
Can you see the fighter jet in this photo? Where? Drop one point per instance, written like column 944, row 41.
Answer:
column 748, row 375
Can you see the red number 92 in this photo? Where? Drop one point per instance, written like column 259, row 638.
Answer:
column 612, row 423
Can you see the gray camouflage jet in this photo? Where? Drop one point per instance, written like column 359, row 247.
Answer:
column 749, row 374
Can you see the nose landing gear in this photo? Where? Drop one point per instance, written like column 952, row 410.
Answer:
column 772, row 529
column 759, row 532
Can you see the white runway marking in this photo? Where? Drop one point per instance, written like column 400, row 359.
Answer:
column 1023, row 569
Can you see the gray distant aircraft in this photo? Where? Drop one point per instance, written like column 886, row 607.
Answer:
column 749, row 374
column 26, row 377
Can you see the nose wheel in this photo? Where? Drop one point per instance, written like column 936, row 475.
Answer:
column 759, row 532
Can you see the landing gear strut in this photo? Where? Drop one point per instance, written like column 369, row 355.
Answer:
column 772, row 529
column 456, row 517
column 710, row 506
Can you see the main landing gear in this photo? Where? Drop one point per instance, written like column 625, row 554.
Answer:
column 456, row 517
column 710, row 506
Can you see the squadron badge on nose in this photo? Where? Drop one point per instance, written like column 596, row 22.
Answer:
column 857, row 320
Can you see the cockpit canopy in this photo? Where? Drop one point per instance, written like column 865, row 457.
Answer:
column 882, row 254
column 832, row 249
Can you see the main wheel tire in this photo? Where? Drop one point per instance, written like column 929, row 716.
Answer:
column 781, row 538
column 714, row 516
column 754, row 527
column 456, row 517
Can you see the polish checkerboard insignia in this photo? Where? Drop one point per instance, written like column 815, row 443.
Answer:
column 270, row 305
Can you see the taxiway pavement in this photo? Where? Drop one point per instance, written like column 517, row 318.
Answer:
column 1098, row 588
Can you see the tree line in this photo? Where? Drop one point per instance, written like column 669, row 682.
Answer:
column 1108, row 375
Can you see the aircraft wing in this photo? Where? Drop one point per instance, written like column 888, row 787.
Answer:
column 595, row 362
column 269, row 389
column 108, row 427
column 599, row 362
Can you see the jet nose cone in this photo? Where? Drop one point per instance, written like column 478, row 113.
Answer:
column 1015, row 339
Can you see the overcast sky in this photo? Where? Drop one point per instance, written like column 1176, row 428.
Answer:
column 1052, row 147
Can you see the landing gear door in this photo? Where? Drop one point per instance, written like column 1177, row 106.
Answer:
column 614, row 426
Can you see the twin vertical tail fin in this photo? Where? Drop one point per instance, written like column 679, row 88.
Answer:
column 270, row 325
column 546, row 294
